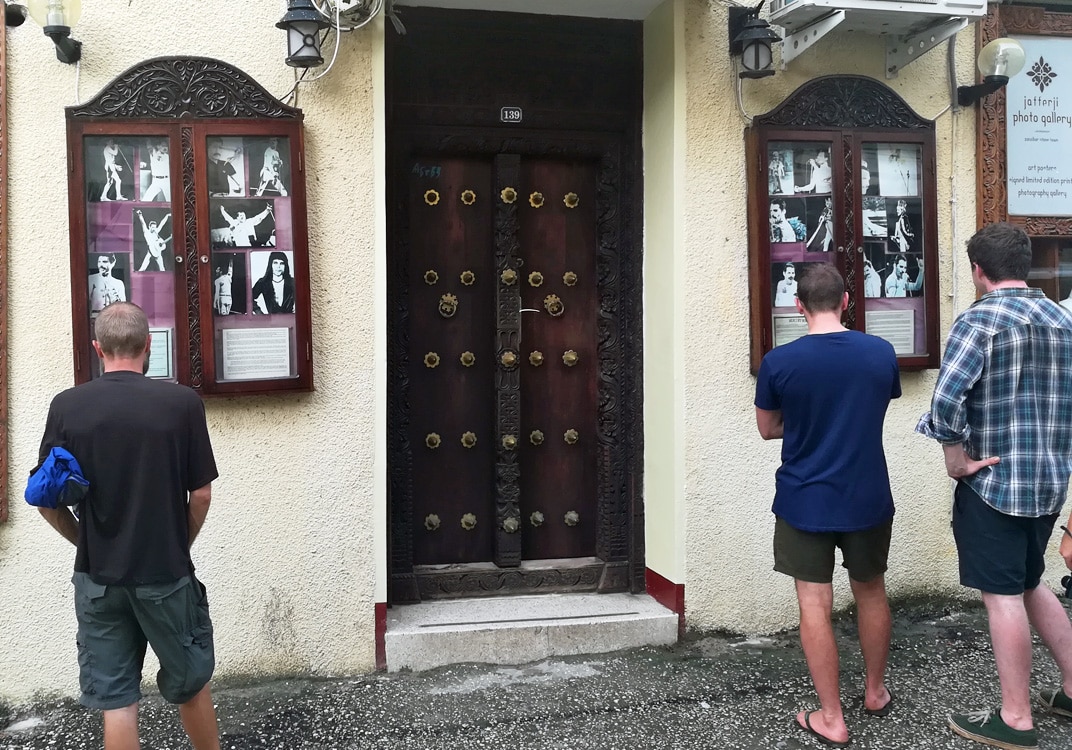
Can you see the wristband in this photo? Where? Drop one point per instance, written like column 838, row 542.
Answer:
column 1065, row 529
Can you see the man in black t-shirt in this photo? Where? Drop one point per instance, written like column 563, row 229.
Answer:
column 143, row 445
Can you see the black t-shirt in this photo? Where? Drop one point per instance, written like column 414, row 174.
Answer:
column 143, row 445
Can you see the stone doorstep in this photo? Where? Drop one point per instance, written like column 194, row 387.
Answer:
column 521, row 629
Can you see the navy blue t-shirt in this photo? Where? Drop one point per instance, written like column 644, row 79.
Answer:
column 833, row 390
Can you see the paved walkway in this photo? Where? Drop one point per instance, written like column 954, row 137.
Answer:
column 708, row 692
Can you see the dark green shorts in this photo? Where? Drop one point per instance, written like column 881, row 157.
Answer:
column 116, row 622
column 809, row 556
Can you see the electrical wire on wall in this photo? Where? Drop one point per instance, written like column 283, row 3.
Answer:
column 740, row 91
column 338, row 27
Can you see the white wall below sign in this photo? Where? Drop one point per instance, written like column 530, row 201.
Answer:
column 1038, row 127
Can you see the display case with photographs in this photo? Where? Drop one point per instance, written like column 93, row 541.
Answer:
column 859, row 196
column 199, row 220
column 895, row 236
column 129, row 251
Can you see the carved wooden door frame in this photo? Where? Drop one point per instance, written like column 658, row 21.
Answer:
column 619, row 563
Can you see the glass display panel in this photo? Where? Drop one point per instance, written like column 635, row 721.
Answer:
column 129, row 237
column 1051, row 268
column 254, row 291
column 894, row 244
column 801, row 216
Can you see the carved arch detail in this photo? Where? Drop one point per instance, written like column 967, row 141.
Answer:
column 844, row 102
column 170, row 87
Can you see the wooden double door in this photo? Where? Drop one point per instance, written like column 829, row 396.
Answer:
column 502, row 358
column 509, row 471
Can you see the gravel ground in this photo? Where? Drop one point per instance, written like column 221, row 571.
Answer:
column 711, row 691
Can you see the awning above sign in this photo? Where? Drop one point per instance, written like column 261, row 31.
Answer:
column 911, row 27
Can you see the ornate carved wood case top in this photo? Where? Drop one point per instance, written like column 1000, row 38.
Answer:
column 187, row 197
column 514, row 321
column 843, row 173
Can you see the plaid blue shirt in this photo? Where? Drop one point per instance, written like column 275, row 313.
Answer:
column 1005, row 389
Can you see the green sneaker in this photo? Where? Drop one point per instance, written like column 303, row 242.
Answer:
column 987, row 727
column 1056, row 702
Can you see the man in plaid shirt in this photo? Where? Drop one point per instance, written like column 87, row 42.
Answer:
column 1002, row 410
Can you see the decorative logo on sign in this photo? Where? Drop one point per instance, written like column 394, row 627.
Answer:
column 1042, row 74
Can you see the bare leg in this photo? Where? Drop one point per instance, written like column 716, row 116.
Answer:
column 121, row 728
column 1011, row 637
column 199, row 720
column 820, row 650
column 1048, row 617
column 873, row 624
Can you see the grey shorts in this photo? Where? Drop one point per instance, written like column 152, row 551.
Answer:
column 116, row 622
column 809, row 556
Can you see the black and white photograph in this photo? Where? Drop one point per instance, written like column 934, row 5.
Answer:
column 811, row 162
column 154, row 164
column 153, row 250
column 110, row 173
column 780, row 169
column 904, row 225
column 229, row 284
column 820, row 222
column 788, row 220
column 891, row 275
column 226, row 167
column 273, row 289
column 899, row 166
column 784, row 284
column 269, row 166
column 784, row 278
column 874, row 268
column 874, row 216
column 108, row 274
column 869, row 169
column 241, row 223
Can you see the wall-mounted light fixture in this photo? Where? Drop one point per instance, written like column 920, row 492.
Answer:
column 751, row 37
column 57, row 17
column 14, row 14
column 303, row 24
column 998, row 62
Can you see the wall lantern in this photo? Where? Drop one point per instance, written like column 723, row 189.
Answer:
column 751, row 37
column 303, row 24
column 998, row 61
column 57, row 17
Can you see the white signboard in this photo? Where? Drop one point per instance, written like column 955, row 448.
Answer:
column 896, row 326
column 1038, row 128
column 789, row 328
column 256, row 353
column 160, row 354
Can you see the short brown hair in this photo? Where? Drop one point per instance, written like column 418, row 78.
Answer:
column 1002, row 250
column 821, row 288
column 121, row 330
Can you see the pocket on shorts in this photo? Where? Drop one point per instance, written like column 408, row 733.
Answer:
column 160, row 593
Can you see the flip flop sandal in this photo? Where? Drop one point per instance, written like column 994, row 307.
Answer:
column 884, row 711
column 807, row 727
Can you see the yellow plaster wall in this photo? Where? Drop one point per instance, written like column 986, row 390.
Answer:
column 729, row 484
column 292, row 547
column 664, row 261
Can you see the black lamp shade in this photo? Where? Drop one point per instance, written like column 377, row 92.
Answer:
column 754, row 42
column 303, row 23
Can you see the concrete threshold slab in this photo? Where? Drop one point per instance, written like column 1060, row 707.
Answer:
column 520, row 629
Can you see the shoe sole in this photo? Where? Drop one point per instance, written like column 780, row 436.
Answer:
column 1054, row 709
column 957, row 729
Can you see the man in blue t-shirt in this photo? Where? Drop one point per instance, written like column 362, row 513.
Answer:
column 825, row 395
